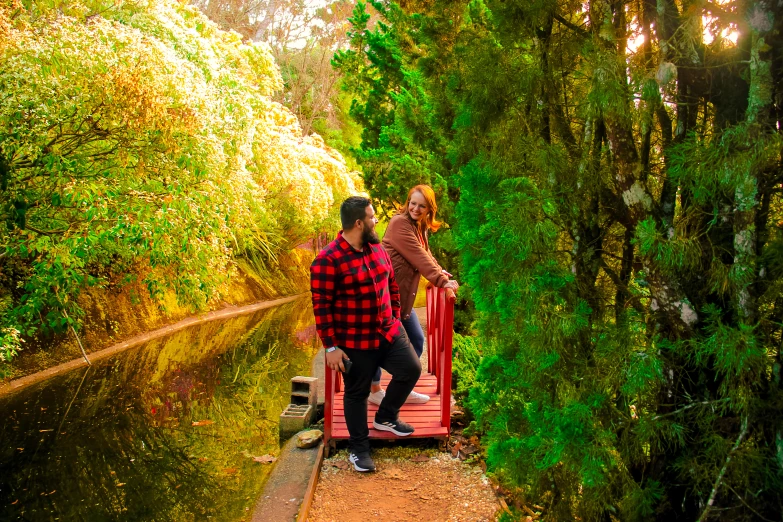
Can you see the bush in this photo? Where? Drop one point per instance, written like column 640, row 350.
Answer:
column 138, row 138
column 467, row 357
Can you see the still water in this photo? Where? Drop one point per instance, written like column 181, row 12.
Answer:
column 165, row 431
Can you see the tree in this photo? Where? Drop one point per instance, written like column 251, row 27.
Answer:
column 148, row 147
column 617, row 175
column 391, row 106
column 404, row 141
column 303, row 39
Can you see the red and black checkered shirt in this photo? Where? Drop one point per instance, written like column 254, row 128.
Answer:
column 356, row 300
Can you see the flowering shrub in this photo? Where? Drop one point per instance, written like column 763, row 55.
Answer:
column 138, row 138
column 10, row 343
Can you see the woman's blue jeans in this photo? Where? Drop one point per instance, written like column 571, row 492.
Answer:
column 415, row 334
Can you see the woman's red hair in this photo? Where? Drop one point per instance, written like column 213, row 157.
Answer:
column 429, row 222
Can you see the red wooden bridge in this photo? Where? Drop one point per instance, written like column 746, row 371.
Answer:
column 431, row 419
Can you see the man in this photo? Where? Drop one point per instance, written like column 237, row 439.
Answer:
column 356, row 303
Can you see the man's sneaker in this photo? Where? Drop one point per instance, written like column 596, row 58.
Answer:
column 417, row 398
column 362, row 463
column 398, row 427
column 377, row 397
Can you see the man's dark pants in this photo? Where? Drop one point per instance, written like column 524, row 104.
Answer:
column 397, row 358
column 412, row 327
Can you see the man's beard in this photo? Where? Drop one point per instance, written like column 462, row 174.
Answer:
column 370, row 237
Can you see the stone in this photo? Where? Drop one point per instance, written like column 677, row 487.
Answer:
column 309, row 439
column 295, row 418
column 304, row 390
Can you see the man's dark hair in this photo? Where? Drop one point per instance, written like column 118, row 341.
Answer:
column 352, row 209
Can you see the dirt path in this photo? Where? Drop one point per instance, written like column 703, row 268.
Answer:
column 410, row 485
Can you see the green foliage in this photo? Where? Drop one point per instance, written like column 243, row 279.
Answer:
column 393, row 109
column 716, row 169
column 345, row 136
column 467, row 358
column 10, row 343
column 137, row 138
column 639, row 505
column 621, row 247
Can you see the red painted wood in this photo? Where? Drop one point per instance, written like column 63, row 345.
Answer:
column 432, row 405
column 431, row 419
column 408, row 416
column 415, row 423
column 432, row 328
column 430, row 321
column 426, row 379
column 446, row 356
column 431, row 409
column 342, row 433
column 328, row 401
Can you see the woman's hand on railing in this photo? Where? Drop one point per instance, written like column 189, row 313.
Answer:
column 451, row 289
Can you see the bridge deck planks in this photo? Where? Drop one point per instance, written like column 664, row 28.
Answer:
column 425, row 418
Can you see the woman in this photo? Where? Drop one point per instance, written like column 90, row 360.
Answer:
column 406, row 241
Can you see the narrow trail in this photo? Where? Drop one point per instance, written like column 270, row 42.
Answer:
column 410, row 485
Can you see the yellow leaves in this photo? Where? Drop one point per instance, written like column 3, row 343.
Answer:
column 6, row 29
column 261, row 68
column 181, row 137
column 302, row 174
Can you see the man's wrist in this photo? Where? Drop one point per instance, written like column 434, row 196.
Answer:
column 331, row 349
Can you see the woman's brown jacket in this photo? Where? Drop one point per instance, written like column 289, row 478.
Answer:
column 410, row 260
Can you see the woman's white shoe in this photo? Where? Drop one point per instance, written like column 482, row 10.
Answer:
column 377, row 397
column 413, row 398
column 417, row 398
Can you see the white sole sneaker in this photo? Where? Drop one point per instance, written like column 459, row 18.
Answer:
column 368, row 465
column 392, row 427
column 417, row 398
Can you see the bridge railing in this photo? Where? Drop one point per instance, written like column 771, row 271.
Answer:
column 440, row 336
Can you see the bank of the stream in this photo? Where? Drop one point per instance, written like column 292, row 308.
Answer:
column 181, row 428
column 117, row 313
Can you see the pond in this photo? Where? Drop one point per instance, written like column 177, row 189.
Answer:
column 165, row 431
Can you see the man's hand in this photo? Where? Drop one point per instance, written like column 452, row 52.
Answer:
column 452, row 284
column 334, row 359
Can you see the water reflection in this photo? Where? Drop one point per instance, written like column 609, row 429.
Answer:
column 166, row 431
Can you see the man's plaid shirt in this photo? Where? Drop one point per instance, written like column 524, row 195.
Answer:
column 356, row 300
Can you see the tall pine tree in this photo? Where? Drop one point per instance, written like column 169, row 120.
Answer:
column 616, row 170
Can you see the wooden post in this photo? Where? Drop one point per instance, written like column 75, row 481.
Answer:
column 328, row 401
column 431, row 326
column 446, row 349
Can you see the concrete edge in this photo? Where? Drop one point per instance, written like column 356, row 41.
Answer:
column 225, row 313
column 307, row 502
